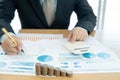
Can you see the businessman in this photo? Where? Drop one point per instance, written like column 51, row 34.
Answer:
column 45, row 14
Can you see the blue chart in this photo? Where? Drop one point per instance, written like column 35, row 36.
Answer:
column 88, row 55
column 103, row 55
column 45, row 58
column 2, row 64
column 23, row 63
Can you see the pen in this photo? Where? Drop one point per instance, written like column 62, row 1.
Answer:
column 6, row 32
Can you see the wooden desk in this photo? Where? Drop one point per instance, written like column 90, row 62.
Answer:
column 97, row 76
column 48, row 31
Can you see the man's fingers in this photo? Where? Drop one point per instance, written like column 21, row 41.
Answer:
column 10, row 53
column 73, row 39
column 73, row 36
column 69, row 36
column 78, row 34
column 10, row 48
column 19, row 43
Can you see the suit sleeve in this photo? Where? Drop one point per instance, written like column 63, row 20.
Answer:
column 85, row 15
column 7, row 9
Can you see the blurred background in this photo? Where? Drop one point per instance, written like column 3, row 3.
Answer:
column 107, row 12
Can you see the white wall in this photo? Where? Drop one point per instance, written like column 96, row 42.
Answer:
column 112, row 15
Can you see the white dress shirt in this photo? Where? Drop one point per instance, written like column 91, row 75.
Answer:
column 54, row 3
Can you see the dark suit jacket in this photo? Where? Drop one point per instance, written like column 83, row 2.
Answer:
column 32, row 17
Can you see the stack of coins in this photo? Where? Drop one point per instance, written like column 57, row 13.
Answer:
column 38, row 68
column 69, row 74
column 63, row 73
column 45, row 70
column 50, row 70
column 57, row 71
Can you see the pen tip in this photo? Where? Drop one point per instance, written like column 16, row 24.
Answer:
column 22, row 50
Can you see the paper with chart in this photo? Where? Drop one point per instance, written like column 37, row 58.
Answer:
column 50, row 49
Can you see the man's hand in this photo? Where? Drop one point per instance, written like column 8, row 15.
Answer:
column 10, row 48
column 77, row 34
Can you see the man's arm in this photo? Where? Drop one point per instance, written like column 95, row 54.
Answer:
column 7, row 9
column 85, row 15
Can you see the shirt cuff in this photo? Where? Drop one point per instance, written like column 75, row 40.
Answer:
column 4, row 36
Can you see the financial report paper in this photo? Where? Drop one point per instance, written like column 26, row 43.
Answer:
column 51, row 49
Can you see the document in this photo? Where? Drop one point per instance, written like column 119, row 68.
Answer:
column 51, row 49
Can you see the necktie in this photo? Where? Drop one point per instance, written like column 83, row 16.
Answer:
column 49, row 11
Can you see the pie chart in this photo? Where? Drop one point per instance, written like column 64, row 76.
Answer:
column 103, row 55
column 44, row 58
column 88, row 55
